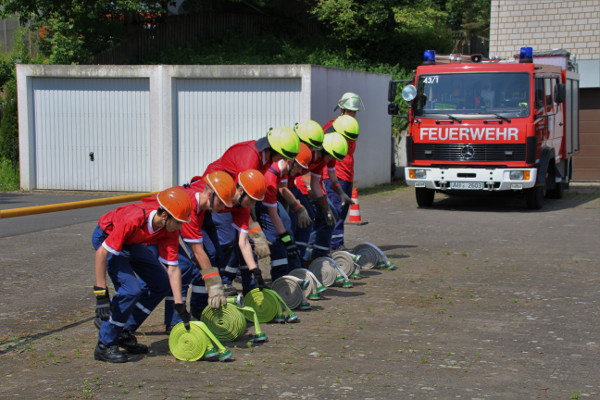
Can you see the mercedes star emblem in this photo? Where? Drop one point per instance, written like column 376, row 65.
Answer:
column 467, row 152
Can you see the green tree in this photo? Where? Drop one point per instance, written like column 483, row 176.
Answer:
column 473, row 15
column 9, row 128
column 70, row 31
column 389, row 31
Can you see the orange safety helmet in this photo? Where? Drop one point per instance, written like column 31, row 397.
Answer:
column 304, row 156
column 222, row 185
column 254, row 183
column 177, row 203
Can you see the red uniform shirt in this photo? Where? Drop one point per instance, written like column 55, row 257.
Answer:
column 344, row 170
column 274, row 177
column 241, row 217
column 192, row 231
column 316, row 167
column 240, row 157
column 132, row 224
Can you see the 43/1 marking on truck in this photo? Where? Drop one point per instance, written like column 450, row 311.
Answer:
column 430, row 79
column 466, row 185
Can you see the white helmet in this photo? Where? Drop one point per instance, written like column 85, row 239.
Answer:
column 349, row 101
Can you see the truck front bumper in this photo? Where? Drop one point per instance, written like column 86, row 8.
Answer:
column 491, row 179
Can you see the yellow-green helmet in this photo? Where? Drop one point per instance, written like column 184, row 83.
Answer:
column 310, row 132
column 347, row 126
column 336, row 145
column 284, row 141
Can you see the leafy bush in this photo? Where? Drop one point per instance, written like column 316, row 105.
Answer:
column 9, row 176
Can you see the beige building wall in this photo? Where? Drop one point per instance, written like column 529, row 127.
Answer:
column 546, row 24
column 573, row 25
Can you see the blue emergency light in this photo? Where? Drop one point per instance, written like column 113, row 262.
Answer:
column 429, row 57
column 526, row 55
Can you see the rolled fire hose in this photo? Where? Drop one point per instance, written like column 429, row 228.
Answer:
column 372, row 256
column 197, row 342
column 342, row 277
column 369, row 257
column 347, row 262
column 290, row 290
column 228, row 323
column 324, row 270
column 329, row 272
column 267, row 305
column 314, row 288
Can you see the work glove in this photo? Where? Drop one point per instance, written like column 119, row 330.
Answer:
column 303, row 217
column 214, row 286
column 343, row 196
column 324, row 204
column 102, row 303
column 183, row 314
column 290, row 246
column 258, row 279
column 261, row 244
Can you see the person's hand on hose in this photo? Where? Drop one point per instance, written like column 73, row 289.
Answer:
column 258, row 279
column 303, row 217
column 344, row 198
column 183, row 314
column 261, row 244
column 324, row 204
column 102, row 303
column 214, row 286
column 290, row 245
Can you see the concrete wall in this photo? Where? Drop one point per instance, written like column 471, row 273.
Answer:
column 573, row 25
column 248, row 106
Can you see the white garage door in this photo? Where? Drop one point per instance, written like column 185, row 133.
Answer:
column 214, row 114
column 92, row 134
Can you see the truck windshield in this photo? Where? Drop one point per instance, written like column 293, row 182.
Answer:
column 499, row 95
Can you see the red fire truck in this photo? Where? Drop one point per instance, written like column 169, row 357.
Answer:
column 489, row 125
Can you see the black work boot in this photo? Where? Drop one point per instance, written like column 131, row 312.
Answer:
column 109, row 353
column 128, row 341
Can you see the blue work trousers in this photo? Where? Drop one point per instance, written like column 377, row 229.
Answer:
column 301, row 235
column 188, row 271
column 140, row 281
column 337, row 236
column 281, row 264
column 320, row 237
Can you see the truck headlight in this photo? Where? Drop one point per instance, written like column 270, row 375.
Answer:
column 519, row 175
column 417, row 173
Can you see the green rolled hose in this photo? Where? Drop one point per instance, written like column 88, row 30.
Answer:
column 197, row 342
column 268, row 306
column 228, row 323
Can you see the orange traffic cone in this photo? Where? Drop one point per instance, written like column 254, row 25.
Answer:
column 354, row 214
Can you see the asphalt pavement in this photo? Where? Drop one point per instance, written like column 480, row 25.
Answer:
column 489, row 301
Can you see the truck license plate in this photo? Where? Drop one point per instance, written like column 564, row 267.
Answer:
column 466, row 185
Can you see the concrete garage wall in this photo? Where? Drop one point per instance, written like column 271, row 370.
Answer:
column 372, row 159
column 566, row 24
column 178, row 120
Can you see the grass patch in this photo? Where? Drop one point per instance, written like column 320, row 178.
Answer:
column 9, row 177
column 385, row 187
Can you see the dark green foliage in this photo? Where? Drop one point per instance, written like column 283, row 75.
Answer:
column 9, row 129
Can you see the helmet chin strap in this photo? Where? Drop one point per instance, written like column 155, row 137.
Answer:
column 241, row 199
column 211, row 202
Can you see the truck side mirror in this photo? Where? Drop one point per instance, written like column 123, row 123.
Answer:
column 409, row 92
column 392, row 91
column 393, row 109
column 560, row 93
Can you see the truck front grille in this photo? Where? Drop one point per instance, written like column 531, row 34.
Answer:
column 470, row 152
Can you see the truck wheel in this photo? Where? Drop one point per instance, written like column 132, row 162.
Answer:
column 535, row 197
column 424, row 196
column 558, row 191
